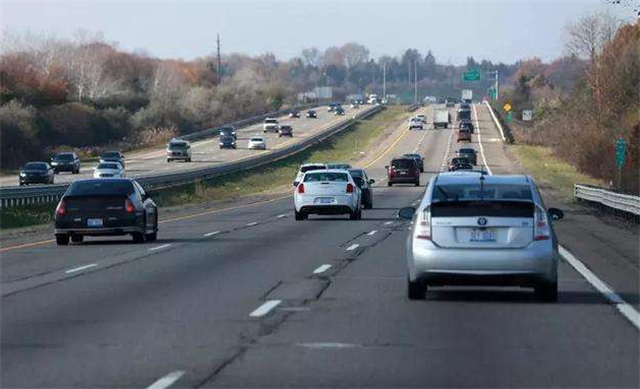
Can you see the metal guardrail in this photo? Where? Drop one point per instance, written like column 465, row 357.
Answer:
column 17, row 196
column 617, row 201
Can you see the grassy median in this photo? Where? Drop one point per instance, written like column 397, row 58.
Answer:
column 551, row 171
column 347, row 146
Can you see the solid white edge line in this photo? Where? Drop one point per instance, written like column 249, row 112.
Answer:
column 353, row 247
column 484, row 159
column 372, row 232
column 322, row 269
column 167, row 380
column 211, row 233
column 281, row 216
column 265, row 308
column 164, row 246
column 622, row 306
column 76, row 269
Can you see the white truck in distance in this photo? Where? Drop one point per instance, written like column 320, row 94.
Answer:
column 441, row 118
column 467, row 95
column 373, row 99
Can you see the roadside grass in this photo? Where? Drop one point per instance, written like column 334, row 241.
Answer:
column 551, row 171
column 344, row 147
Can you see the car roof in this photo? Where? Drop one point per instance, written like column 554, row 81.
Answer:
column 313, row 163
column 450, row 178
column 328, row 171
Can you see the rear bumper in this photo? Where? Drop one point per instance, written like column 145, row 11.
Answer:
column 34, row 180
column 343, row 204
column 114, row 231
column 403, row 179
column 325, row 209
column 519, row 266
column 64, row 168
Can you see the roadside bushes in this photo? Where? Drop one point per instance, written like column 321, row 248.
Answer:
column 19, row 133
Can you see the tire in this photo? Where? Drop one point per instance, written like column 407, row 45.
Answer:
column 389, row 184
column 360, row 214
column 152, row 237
column 300, row 215
column 22, row 183
column 416, row 290
column 188, row 159
column 168, row 160
column 353, row 215
column 417, row 183
column 138, row 237
column 62, row 240
column 77, row 238
column 547, row 291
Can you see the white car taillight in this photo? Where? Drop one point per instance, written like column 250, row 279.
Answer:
column 423, row 224
column 542, row 230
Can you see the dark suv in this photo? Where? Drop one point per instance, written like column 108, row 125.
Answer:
column 403, row 171
column 66, row 162
column 469, row 153
column 229, row 131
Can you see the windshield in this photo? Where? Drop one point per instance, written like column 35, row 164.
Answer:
column 403, row 163
column 338, row 166
column 257, row 140
column 64, row 157
column 326, row 176
column 473, row 192
column 101, row 187
column 36, row 166
column 178, row 145
column 271, row 121
column 113, row 166
column 111, row 155
column 467, row 151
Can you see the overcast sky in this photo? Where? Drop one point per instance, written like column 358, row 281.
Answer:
column 496, row 30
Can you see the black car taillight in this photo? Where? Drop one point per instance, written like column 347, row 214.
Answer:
column 128, row 206
column 61, row 209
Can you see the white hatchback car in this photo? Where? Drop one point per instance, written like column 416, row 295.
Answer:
column 327, row 192
column 109, row 170
column 257, row 143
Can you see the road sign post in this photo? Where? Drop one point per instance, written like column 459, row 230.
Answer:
column 621, row 158
column 471, row 75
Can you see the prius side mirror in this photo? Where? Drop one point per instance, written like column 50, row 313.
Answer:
column 372, row 181
column 406, row 213
column 555, row 213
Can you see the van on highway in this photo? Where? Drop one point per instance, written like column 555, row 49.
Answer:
column 441, row 118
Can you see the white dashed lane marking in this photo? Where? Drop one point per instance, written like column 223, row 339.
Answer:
column 77, row 269
column 322, row 269
column 164, row 246
column 211, row 233
column 353, row 247
column 265, row 308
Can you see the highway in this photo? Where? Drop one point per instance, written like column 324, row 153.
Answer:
column 248, row 297
column 206, row 153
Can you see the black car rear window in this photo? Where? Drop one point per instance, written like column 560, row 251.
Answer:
column 305, row 169
column 100, row 188
column 35, row 166
column 113, row 154
column 467, row 151
column 403, row 163
column 178, row 145
column 458, row 160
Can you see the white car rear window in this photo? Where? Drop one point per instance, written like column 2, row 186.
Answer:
column 326, row 177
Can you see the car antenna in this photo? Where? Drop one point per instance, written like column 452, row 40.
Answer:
column 482, row 187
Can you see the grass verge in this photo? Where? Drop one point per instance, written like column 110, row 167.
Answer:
column 551, row 171
column 347, row 146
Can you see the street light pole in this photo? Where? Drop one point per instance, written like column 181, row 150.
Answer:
column 384, row 81
column 415, row 82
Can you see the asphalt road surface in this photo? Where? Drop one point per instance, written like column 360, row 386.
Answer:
column 207, row 152
column 248, row 297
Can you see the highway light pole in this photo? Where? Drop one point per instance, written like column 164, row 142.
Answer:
column 219, row 67
column 415, row 82
column 384, row 81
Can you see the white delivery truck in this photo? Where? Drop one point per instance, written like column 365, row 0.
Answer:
column 467, row 95
column 441, row 118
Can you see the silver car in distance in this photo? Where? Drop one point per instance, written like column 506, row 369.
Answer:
column 476, row 229
column 327, row 192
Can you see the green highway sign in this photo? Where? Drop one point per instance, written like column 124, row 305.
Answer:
column 509, row 117
column 471, row 75
column 621, row 152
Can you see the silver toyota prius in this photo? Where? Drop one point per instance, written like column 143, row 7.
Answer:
column 477, row 229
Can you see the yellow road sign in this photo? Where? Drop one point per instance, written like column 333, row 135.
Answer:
column 507, row 107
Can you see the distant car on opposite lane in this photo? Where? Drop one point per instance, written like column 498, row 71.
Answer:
column 227, row 142
column 109, row 170
column 338, row 111
column 285, row 130
column 112, row 156
column 98, row 207
column 66, row 162
column 257, row 143
column 36, row 173
column 311, row 114
column 294, row 114
column 178, row 149
column 229, row 131
column 327, row 192
column 270, row 125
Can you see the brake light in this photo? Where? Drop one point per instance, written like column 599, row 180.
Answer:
column 128, row 206
column 423, row 224
column 542, row 230
column 349, row 188
column 301, row 188
column 61, row 209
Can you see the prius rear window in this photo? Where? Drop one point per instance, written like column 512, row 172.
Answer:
column 326, row 176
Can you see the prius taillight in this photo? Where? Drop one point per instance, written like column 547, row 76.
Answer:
column 128, row 206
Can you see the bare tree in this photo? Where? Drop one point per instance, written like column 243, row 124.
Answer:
column 586, row 37
column 310, row 56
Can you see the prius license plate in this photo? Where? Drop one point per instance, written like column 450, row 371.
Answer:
column 324, row 200
column 482, row 235
column 94, row 223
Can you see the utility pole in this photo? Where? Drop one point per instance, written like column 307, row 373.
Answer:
column 384, row 81
column 497, row 86
column 219, row 67
column 415, row 82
